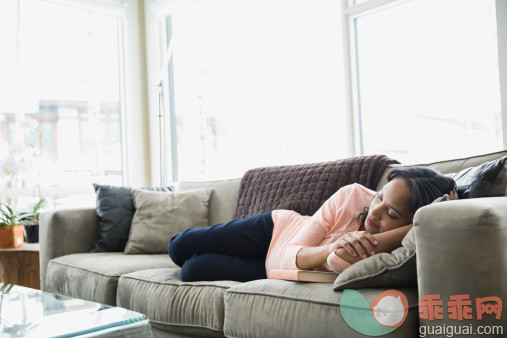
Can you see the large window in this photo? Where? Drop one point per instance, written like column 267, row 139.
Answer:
column 425, row 75
column 60, row 102
column 255, row 83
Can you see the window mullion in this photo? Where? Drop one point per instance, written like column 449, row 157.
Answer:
column 501, row 24
column 368, row 6
column 112, row 7
column 349, row 83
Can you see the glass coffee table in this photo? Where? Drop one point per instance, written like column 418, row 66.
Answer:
column 27, row 312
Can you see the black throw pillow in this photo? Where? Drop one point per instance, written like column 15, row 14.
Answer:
column 477, row 181
column 115, row 209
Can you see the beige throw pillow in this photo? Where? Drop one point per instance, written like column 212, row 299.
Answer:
column 161, row 215
column 394, row 269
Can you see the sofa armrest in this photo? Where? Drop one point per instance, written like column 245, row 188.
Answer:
column 461, row 249
column 64, row 232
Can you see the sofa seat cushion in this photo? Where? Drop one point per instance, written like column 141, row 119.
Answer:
column 94, row 276
column 193, row 308
column 279, row 308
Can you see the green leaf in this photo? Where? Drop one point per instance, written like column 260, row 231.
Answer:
column 10, row 210
column 27, row 215
column 38, row 205
column 9, row 288
column 2, row 209
column 6, row 287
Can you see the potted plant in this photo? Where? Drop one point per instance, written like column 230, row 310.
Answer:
column 30, row 220
column 11, row 230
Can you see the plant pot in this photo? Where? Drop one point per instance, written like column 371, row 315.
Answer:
column 11, row 237
column 32, row 233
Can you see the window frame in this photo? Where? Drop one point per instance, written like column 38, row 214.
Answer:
column 157, row 43
column 156, row 48
column 156, row 35
column 350, row 12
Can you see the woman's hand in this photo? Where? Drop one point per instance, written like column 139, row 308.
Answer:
column 453, row 195
column 387, row 242
column 356, row 243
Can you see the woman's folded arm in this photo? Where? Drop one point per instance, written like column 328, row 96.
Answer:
column 387, row 242
column 310, row 257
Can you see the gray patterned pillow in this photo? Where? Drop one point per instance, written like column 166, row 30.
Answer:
column 394, row 269
column 115, row 209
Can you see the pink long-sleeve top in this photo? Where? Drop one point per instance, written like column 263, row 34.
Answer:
column 337, row 216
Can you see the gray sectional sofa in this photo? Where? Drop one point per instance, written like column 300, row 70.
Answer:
column 461, row 249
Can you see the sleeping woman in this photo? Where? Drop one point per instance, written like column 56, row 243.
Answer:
column 351, row 225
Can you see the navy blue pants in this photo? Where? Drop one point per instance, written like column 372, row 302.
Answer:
column 227, row 251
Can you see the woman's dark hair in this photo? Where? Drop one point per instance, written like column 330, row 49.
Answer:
column 425, row 184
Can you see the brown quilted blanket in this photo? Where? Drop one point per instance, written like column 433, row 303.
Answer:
column 304, row 188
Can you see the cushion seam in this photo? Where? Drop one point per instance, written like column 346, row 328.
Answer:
column 295, row 299
column 175, row 284
column 209, row 182
column 79, row 268
column 186, row 325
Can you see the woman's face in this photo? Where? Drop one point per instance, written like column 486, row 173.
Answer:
column 390, row 208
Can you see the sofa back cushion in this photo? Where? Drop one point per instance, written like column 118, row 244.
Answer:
column 223, row 198
column 452, row 166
